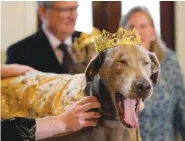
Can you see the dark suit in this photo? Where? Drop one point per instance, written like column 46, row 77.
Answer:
column 36, row 51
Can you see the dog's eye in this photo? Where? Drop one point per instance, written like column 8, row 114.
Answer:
column 146, row 63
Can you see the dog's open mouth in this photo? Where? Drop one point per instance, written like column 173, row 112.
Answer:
column 128, row 110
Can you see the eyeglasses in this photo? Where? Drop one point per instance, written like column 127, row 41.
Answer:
column 64, row 9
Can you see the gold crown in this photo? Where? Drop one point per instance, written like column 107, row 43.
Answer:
column 86, row 39
column 108, row 40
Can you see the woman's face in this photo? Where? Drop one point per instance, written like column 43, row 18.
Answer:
column 141, row 23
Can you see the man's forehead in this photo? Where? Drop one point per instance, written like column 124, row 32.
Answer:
column 65, row 3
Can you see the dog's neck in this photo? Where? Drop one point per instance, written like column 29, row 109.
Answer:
column 98, row 89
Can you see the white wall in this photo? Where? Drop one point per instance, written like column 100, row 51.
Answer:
column 180, row 33
column 84, row 16
column 179, row 36
column 18, row 19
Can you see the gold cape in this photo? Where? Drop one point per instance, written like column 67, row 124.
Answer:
column 37, row 94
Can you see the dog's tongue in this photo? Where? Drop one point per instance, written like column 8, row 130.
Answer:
column 130, row 112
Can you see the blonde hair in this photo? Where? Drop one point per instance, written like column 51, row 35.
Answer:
column 157, row 45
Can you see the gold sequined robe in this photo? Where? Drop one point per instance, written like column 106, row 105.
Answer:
column 38, row 94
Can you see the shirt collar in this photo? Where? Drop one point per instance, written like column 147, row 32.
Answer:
column 54, row 41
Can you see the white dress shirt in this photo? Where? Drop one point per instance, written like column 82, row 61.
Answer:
column 55, row 42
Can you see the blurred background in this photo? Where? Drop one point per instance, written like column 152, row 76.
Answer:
column 20, row 19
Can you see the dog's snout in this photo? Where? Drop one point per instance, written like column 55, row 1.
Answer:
column 143, row 87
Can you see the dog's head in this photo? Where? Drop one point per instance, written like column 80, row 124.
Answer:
column 128, row 72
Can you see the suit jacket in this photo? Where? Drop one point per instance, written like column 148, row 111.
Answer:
column 36, row 51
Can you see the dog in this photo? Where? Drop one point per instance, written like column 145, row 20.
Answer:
column 120, row 77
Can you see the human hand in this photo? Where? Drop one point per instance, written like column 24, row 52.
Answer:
column 14, row 70
column 78, row 116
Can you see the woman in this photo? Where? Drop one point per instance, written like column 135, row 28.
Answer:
column 165, row 110
column 73, row 119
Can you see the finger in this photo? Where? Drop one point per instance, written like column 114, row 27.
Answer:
column 87, row 99
column 26, row 69
column 90, row 115
column 89, row 106
column 31, row 69
column 22, row 71
column 87, row 123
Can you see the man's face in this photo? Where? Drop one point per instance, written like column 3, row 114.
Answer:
column 60, row 18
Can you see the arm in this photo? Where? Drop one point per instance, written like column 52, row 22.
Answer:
column 179, row 113
column 179, row 119
column 14, row 70
column 73, row 119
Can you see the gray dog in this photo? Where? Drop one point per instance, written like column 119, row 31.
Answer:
column 120, row 77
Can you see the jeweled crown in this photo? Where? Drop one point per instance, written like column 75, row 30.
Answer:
column 108, row 40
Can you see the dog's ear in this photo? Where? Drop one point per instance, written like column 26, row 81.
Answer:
column 155, row 68
column 94, row 66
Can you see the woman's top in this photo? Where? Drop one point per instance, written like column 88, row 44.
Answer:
column 164, row 112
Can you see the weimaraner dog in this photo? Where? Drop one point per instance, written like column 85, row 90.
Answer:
column 120, row 78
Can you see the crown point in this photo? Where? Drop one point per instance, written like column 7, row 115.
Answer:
column 108, row 40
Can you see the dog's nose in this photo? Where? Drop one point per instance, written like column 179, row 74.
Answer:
column 142, row 87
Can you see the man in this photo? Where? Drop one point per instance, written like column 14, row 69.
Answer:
column 49, row 49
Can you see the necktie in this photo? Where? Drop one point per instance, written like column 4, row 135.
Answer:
column 67, row 58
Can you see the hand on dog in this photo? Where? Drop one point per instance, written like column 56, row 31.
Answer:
column 73, row 119
column 78, row 116
column 14, row 70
